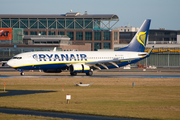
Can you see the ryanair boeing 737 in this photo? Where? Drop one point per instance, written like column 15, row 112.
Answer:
column 84, row 61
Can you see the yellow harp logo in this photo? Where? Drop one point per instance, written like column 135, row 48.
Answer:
column 141, row 38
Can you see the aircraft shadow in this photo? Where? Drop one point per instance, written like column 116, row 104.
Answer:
column 21, row 92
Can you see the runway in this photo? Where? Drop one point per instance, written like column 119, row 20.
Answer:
column 94, row 76
column 133, row 73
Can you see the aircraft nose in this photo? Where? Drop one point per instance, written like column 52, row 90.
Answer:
column 10, row 63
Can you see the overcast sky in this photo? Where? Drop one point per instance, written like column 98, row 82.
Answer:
column 163, row 13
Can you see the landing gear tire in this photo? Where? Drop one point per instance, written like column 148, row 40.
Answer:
column 22, row 73
column 90, row 73
column 73, row 74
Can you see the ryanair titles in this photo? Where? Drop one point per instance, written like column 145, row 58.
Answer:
column 60, row 57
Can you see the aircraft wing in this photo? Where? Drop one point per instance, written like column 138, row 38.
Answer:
column 105, row 64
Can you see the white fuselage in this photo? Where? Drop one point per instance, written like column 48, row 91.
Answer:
column 70, row 57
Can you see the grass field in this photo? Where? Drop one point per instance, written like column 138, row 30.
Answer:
column 151, row 98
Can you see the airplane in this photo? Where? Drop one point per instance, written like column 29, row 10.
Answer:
column 84, row 61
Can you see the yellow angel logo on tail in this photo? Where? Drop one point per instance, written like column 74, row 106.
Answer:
column 141, row 38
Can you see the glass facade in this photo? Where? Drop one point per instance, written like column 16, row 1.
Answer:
column 115, row 36
column 88, row 24
column 60, row 23
column 51, row 24
column 14, row 23
column 79, row 24
column 18, row 35
column 97, row 24
column 106, row 45
column 24, row 23
column 25, row 32
column 97, row 36
column 61, row 33
column 88, row 36
column 79, row 35
column 97, row 46
column 48, row 23
column 42, row 23
column 51, row 32
column 70, row 23
column 42, row 32
column 162, row 36
column 33, row 32
column 106, row 36
column 77, row 28
column 70, row 35
column 6, row 23
column 33, row 23
column 126, row 37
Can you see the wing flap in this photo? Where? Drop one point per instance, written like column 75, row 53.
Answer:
column 105, row 64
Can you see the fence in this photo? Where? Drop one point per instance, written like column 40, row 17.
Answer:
column 162, row 60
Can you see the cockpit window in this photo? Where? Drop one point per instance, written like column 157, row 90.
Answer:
column 17, row 57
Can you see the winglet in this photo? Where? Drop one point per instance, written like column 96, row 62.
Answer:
column 150, row 51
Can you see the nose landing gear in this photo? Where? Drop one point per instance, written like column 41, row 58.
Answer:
column 22, row 71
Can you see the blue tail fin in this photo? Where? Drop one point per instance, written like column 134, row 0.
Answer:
column 138, row 43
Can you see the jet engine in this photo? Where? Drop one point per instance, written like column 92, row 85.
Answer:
column 79, row 68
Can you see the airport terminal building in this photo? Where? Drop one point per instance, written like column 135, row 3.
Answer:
column 95, row 29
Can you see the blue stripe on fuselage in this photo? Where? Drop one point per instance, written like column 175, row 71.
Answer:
column 43, row 66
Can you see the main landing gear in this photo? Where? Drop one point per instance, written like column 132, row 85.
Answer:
column 22, row 73
column 90, row 73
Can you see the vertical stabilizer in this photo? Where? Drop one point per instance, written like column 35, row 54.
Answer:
column 138, row 43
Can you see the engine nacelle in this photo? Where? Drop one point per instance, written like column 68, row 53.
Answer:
column 79, row 68
column 52, row 70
